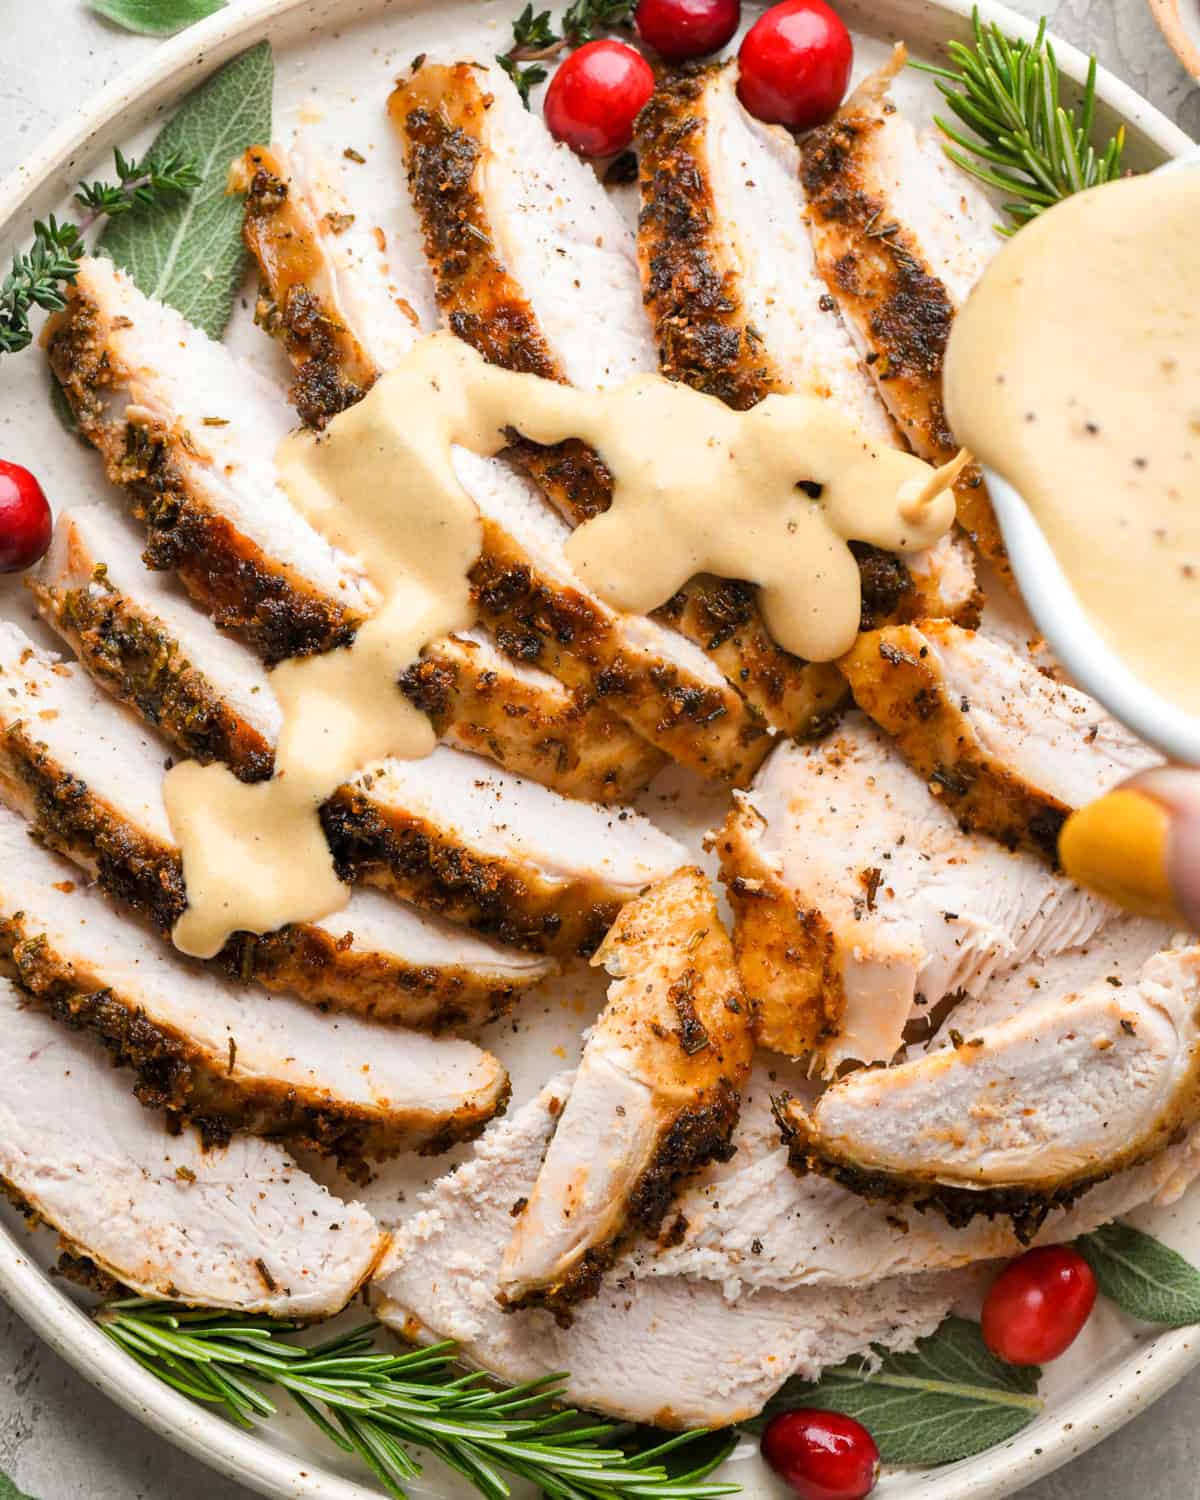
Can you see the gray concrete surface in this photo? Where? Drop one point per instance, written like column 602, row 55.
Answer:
column 59, row 1439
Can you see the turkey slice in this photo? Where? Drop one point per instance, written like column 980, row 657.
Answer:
column 859, row 901
column 227, row 1057
column 1008, row 749
column 656, row 1095
column 89, row 779
column 237, row 1226
column 672, row 1352
column 1025, row 1115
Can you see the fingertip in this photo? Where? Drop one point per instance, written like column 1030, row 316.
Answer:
column 1119, row 847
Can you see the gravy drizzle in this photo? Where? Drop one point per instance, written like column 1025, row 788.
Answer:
column 772, row 495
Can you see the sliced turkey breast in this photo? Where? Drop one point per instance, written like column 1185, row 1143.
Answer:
column 480, row 700
column 859, row 900
column 656, row 1095
column 226, row 1057
column 532, row 263
column 238, row 1226
column 1009, row 750
column 522, row 238
column 755, row 1225
column 89, row 779
column 153, row 650
column 671, row 1352
column 190, row 433
column 458, row 836
column 143, row 640
column 1025, row 1115
column 901, row 236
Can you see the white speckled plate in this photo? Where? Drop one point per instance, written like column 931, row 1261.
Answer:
column 342, row 54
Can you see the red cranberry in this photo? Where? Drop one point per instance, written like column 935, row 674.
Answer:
column 794, row 64
column 822, row 1455
column 25, row 523
column 595, row 97
column 1038, row 1305
column 679, row 29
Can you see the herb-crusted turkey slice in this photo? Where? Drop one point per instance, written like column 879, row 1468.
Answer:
column 755, row 1225
column 191, row 433
column 237, row 1226
column 457, row 835
column 656, row 1095
column 1025, row 1115
column 155, row 652
column 672, row 1352
column 739, row 307
column 901, row 236
column 89, row 779
column 535, row 268
column 1009, row 750
column 860, row 903
column 230, row 1058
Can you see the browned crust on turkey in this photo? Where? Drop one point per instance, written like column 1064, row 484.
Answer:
column 537, row 620
column 697, row 1136
column 142, row 665
column 332, row 369
column 895, row 677
column 691, row 292
column 578, row 748
column 787, row 954
column 420, row 861
column 176, row 1074
column 902, row 310
column 264, row 602
column 439, row 111
column 301, row 959
column 1026, row 1206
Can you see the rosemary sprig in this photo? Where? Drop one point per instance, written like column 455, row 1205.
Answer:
column 372, row 1403
column 536, row 42
column 1018, row 135
column 37, row 276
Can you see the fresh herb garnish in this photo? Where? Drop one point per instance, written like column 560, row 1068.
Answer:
column 1019, row 136
column 37, row 277
column 947, row 1399
column 372, row 1403
column 535, row 41
column 1144, row 1277
column 155, row 17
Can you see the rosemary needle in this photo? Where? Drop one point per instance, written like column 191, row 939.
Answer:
column 1012, row 130
column 374, row 1403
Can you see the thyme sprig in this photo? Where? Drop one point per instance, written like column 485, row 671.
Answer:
column 1019, row 137
column 372, row 1403
column 535, row 41
column 37, row 276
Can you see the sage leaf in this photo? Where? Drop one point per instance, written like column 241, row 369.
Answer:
column 188, row 252
column 1144, row 1277
column 155, row 18
column 9, row 1491
column 947, row 1399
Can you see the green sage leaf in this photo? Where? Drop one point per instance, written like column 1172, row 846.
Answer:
column 947, row 1399
column 155, row 17
column 188, row 252
column 9, row 1491
column 1143, row 1276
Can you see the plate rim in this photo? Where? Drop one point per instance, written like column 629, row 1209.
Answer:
column 130, row 100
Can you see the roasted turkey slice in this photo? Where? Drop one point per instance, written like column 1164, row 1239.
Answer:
column 236, row 1226
column 1023, row 1116
column 1009, row 750
column 656, row 1095
column 222, row 1055
column 860, row 902
column 672, row 1352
